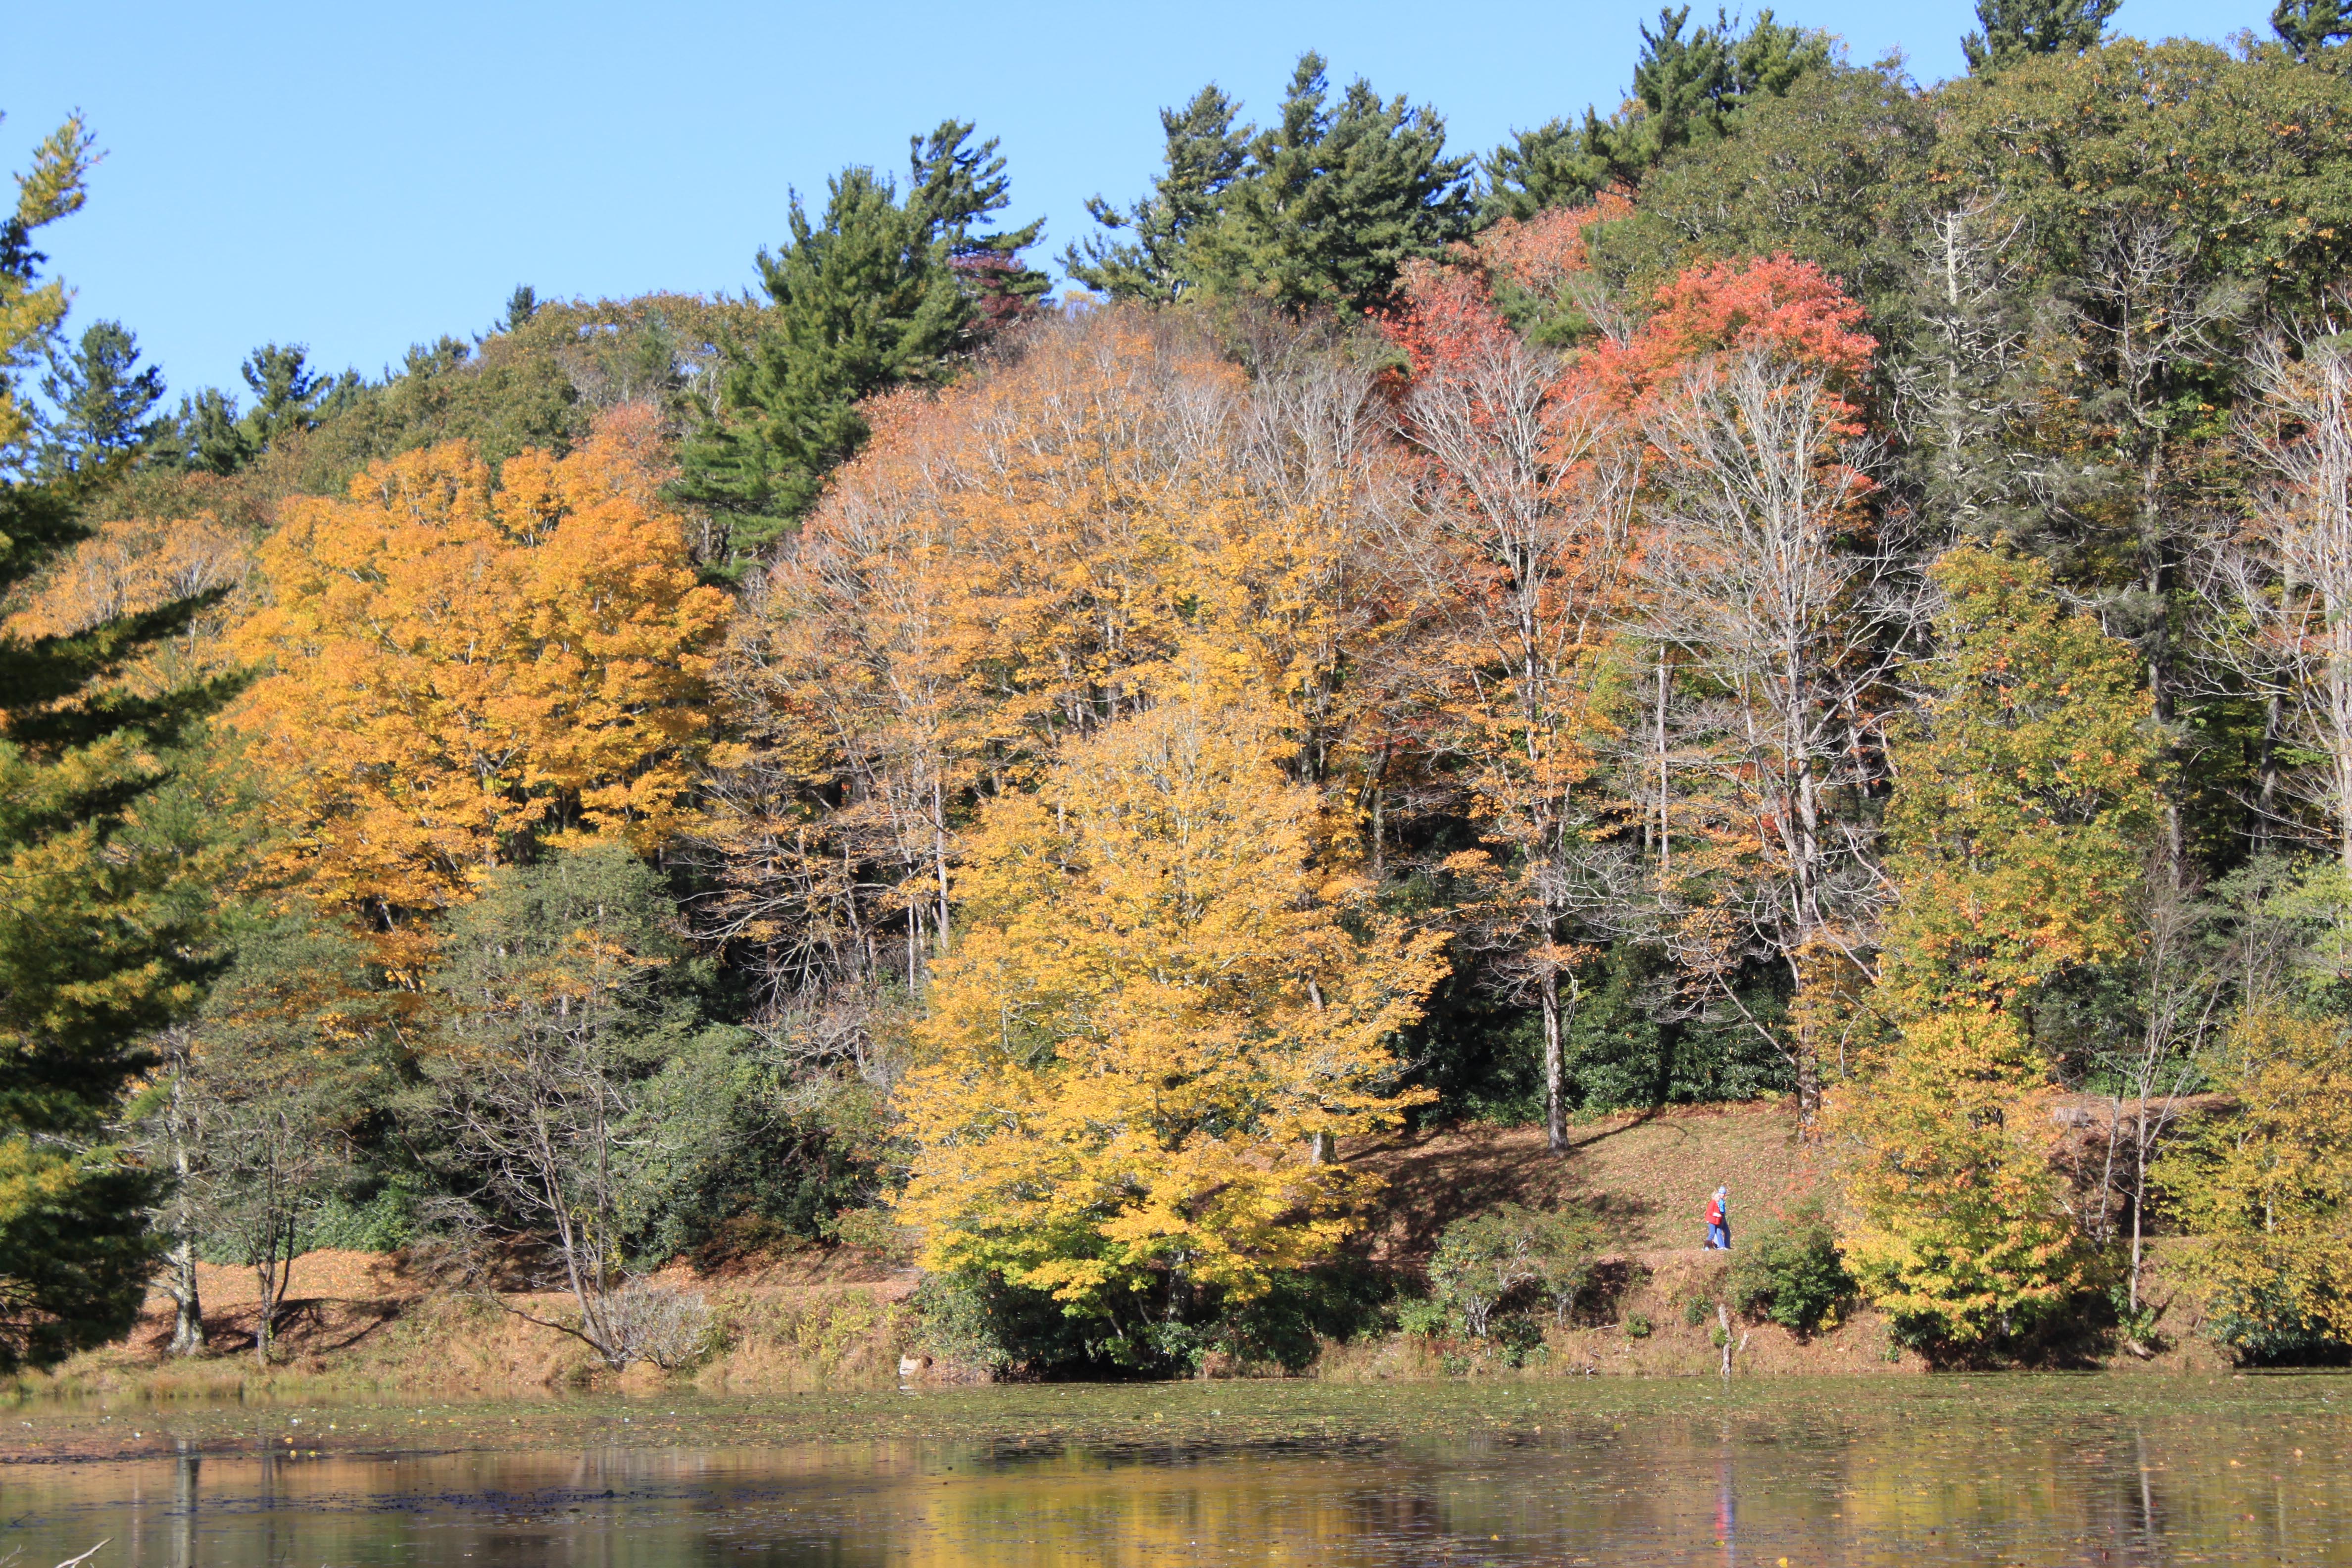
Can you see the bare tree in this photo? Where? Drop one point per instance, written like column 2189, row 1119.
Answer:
column 566, row 1084
column 1523, row 548
column 1956, row 394
column 1784, row 609
column 2286, row 580
column 2178, row 998
column 173, row 1134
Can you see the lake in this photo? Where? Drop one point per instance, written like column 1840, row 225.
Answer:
column 1974, row 1469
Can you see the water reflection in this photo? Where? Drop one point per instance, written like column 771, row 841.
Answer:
column 1879, row 1479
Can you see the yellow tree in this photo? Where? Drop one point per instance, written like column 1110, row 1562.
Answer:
column 31, row 310
column 1956, row 1230
column 1010, row 564
column 1163, row 1006
column 2266, row 1187
column 460, row 663
column 2024, row 807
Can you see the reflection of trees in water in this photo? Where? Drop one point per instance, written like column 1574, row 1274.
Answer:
column 184, row 1507
column 1860, row 1476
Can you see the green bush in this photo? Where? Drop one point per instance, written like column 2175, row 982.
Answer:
column 1422, row 1316
column 1694, row 1312
column 1481, row 1261
column 1637, row 1327
column 1790, row 1271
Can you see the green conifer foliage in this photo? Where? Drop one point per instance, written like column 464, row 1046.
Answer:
column 104, row 401
column 2309, row 26
column 2015, row 29
column 876, row 293
column 1688, row 91
column 102, row 933
column 1321, row 208
column 1338, row 197
column 1205, row 154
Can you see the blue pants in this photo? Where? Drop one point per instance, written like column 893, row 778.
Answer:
column 1719, row 1236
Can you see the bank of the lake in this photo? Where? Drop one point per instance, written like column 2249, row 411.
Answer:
column 837, row 1319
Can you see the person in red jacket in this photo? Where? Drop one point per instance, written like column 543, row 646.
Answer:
column 1718, row 1219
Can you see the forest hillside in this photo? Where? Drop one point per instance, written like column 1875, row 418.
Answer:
column 1808, row 592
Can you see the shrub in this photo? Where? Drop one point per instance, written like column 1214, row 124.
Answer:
column 1480, row 1261
column 1423, row 1317
column 1790, row 1271
column 668, row 1327
column 1694, row 1312
column 1565, row 1246
column 1637, row 1327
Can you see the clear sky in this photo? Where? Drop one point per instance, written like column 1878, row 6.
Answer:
column 359, row 177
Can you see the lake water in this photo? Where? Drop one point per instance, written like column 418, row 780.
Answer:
column 1896, row 1471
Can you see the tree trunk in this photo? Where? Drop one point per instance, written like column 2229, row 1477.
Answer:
column 188, row 1307
column 1554, row 1068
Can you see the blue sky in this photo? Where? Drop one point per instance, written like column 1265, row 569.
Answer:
column 359, row 177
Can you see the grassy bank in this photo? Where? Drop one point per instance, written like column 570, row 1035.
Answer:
column 839, row 1319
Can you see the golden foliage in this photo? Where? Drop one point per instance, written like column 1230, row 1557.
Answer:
column 1956, row 1230
column 2026, row 796
column 2265, row 1188
column 1161, row 996
column 460, row 666
column 1014, row 562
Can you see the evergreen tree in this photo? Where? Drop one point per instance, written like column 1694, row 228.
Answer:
column 1205, row 154
column 31, row 310
column 877, row 294
column 1336, row 200
column 103, row 402
column 2308, row 27
column 1556, row 164
column 102, row 929
column 1323, row 207
column 206, row 434
column 2014, row 29
column 287, row 394
column 521, row 306
column 1687, row 89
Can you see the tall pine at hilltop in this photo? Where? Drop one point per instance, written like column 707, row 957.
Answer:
column 1323, row 207
column 103, row 934
column 1688, row 90
column 878, row 292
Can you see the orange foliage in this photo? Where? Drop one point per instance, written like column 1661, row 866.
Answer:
column 128, row 567
column 1543, row 253
column 1020, row 559
column 461, row 665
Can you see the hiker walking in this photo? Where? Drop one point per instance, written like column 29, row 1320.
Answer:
column 1719, row 1220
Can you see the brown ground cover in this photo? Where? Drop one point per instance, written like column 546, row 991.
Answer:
column 1647, row 1173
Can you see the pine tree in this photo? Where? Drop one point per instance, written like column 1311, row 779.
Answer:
column 878, row 293
column 206, row 433
column 2014, row 29
column 104, row 400
column 287, row 394
column 1321, row 208
column 1205, row 153
column 2308, row 27
column 1686, row 91
column 101, row 934
column 1337, row 199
